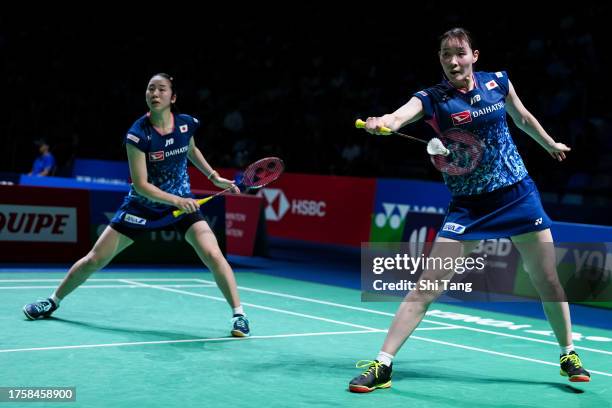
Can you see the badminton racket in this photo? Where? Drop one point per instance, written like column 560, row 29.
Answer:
column 455, row 151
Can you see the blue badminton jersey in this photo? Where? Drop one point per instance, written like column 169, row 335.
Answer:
column 481, row 111
column 166, row 157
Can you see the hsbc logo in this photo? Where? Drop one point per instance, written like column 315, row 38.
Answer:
column 278, row 205
column 461, row 118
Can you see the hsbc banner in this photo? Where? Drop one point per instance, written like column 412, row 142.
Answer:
column 397, row 201
column 43, row 224
column 324, row 209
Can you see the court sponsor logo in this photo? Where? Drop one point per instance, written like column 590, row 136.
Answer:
column 508, row 325
column 461, row 118
column 134, row 219
column 454, row 228
column 278, row 205
column 395, row 213
column 156, row 156
column 38, row 223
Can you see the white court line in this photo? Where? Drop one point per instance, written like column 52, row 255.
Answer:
column 481, row 350
column 377, row 330
column 306, row 299
column 252, row 305
column 108, row 286
column 362, row 309
column 140, row 343
column 107, row 280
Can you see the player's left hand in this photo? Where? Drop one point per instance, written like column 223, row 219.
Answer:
column 224, row 183
column 557, row 150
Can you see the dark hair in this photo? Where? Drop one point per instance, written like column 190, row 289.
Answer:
column 170, row 79
column 457, row 33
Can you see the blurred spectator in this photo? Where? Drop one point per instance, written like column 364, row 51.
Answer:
column 44, row 164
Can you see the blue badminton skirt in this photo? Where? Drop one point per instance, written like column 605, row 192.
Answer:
column 508, row 211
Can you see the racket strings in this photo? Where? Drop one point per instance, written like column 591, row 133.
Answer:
column 263, row 172
column 465, row 153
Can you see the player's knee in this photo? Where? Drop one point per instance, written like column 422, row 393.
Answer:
column 95, row 261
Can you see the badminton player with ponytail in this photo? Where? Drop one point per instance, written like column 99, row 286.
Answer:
column 495, row 199
column 158, row 146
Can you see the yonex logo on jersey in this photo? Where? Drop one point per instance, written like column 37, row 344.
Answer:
column 460, row 118
column 134, row 219
column 156, row 156
column 474, row 99
column 454, row 228
column 183, row 128
column 169, row 141
column 491, row 84
column 538, row 221
column 133, row 138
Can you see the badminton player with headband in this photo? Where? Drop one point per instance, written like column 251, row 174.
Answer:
column 494, row 199
column 158, row 146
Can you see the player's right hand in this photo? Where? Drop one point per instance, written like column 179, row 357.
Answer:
column 374, row 125
column 189, row 205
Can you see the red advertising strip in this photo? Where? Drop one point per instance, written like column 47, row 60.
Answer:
column 39, row 224
column 242, row 213
column 324, row 209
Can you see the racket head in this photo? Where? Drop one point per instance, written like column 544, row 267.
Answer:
column 262, row 172
column 466, row 152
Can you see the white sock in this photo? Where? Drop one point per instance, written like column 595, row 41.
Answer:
column 385, row 358
column 55, row 299
column 566, row 350
column 239, row 310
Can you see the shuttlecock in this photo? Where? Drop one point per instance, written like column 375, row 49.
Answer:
column 435, row 146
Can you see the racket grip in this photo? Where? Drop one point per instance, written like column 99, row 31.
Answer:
column 201, row 201
column 360, row 124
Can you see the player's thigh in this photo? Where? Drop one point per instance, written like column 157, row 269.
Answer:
column 110, row 243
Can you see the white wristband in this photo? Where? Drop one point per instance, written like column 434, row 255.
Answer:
column 212, row 174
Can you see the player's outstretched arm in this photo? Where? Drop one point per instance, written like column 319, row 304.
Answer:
column 408, row 113
column 197, row 158
column 525, row 121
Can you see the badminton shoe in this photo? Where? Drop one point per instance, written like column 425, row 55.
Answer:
column 240, row 326
column 40, row 309
column 376, row 375
column 571, row 367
